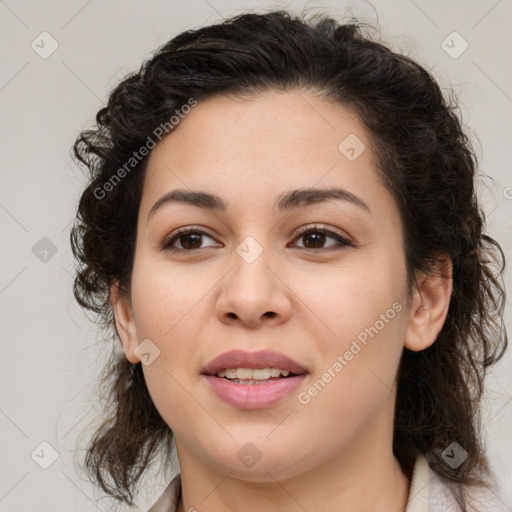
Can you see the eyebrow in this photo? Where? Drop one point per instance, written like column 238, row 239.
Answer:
column 285, row 202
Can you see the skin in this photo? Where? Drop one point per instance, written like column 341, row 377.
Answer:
column 334, row 453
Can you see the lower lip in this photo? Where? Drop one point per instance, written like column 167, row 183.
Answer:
column 254, row 396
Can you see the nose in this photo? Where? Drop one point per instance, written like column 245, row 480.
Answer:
column 254, row 293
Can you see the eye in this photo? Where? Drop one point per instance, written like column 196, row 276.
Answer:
column 316, row 236
column 189, row 239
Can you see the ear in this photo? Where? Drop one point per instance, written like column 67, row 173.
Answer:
column 125, row 323
column 431, row 300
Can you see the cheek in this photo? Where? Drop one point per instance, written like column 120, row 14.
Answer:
column 352, row 297
column 166, row 298
column 354, row 382
column 168, row 312
column 364, row 309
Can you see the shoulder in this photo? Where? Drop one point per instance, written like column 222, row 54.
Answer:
column 431, row 493
column 478, row 499
column 168, row 500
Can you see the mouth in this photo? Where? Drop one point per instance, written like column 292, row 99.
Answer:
column 253, row 380
column 261, row 365
column 254, row 375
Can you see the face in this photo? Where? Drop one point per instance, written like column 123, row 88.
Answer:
column 320, row 281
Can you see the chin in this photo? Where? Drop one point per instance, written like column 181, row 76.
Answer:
column 251, row 464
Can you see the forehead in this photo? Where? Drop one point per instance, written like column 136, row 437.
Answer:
column 239, row 127
column 259, row 146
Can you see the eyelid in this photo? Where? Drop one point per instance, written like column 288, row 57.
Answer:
column 326, row 230
column 315, row 227
column 165, row 245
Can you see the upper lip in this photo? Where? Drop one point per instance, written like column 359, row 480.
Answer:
column 245, row 359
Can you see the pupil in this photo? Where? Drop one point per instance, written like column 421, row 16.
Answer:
column 320, row 238
column 188, row 237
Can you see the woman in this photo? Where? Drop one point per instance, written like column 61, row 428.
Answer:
column 282, row 226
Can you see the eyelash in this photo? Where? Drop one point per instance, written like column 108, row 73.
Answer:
column 169, row 241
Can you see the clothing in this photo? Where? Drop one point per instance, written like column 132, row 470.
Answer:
column 428, row 493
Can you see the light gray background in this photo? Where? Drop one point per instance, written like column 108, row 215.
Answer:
column 50, row 350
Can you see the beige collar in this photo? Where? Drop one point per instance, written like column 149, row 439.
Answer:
column 419, row 491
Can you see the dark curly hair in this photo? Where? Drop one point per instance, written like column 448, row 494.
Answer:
column 424, row 159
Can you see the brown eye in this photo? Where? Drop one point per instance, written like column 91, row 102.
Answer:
column 188, row 239
column 315, row 238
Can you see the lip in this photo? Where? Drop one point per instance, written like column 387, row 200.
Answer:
column 259, row 359
column 253, row 396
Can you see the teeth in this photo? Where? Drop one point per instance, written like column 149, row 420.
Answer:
column 252, row 374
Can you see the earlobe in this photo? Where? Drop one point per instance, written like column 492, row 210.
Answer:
column 430, row 304
column 125, row 323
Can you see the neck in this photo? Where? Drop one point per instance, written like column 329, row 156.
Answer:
column 363, row 477
column 384, row 488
